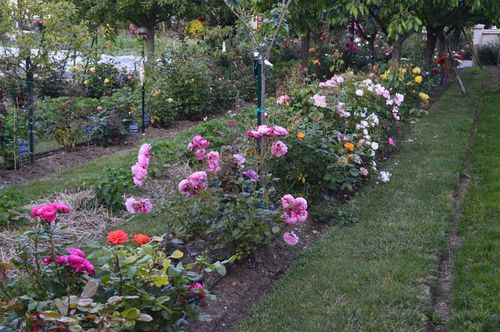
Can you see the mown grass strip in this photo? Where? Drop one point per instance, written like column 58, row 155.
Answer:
column 476, row 298
column 375, row 275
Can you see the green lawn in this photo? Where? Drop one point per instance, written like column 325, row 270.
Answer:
column 476, row 304
column 375, row 275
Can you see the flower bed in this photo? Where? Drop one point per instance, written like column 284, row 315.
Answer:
column 245, row 188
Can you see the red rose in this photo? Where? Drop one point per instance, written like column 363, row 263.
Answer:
column 117, row 237
column 141, row 239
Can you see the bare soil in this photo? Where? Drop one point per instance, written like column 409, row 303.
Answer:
column 60, row 160
column 249, row 280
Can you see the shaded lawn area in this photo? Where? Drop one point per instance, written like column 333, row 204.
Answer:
column 375, row 275
column 476, row 303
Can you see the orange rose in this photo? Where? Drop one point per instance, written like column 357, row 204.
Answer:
column 141, row 239
column 117, row 237
column 349, row 146
column 312, row 50
column 301, row 135
column 316, row 62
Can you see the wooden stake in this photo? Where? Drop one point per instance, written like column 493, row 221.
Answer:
column 455, row 70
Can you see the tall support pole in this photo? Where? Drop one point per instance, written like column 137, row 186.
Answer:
column 31, row 122
column 260, row 93
column 143, row 101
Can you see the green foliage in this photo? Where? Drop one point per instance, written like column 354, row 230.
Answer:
column 136, row 286
column 110, row 187
column 489, row 54
column 9, row 206
column 13, row 131
column 188, row 88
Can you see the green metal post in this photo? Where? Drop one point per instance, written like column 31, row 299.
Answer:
column 31, row 121
column 260, row 93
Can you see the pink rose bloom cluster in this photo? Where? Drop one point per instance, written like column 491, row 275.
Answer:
column 283, row 100
column 199, row 144
column 332, row 82
column 76, row 260
column 295, row 209
column 380, row 90
column 267, row 131
column 140, row 168
column 143, row 206
column 48, row 212
column 193, row 184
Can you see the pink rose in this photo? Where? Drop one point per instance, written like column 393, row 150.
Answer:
column 239, row 159
column 76, row 252
column 201, row 154
column 139, row 171
column 251, row 175
column 363, row 171
column 47, row 260
column 198, row 289
column 48, row 213
column 129, row 204
column 391, row 141
column 279, row 149
column 61, row 260
column 319, row 101
column 283, row 100
column 280, row 131
column 290, row 238
column 61, row 207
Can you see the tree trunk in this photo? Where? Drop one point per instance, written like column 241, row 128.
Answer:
column 305, row 41
column 371, row 48
column 150, row 40
column 441, row 45
column 455, row 38
column 432, row 37
column 396, row 51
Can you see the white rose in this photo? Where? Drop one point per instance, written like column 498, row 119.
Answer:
column 384, row 176
column 374, row 146
column 359, row 92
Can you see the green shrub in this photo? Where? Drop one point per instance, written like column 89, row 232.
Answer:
column 489, row 54
column 10, row 202
column 188, row 88
column 110, row 187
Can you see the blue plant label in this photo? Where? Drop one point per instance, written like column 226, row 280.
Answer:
column 88, row 130
column 133, row 128
column 147, row 119
column 23, row 149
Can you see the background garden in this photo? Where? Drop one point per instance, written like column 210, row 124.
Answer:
column 148, row 148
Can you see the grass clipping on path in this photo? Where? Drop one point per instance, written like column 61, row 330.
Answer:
column 376, row 274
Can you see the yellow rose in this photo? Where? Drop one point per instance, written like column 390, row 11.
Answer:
column 92, row 69
column 424, row 96
column 106, row 81
column 86, row 82
column 402, row 71
column 419, row 79
column 416, row 70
